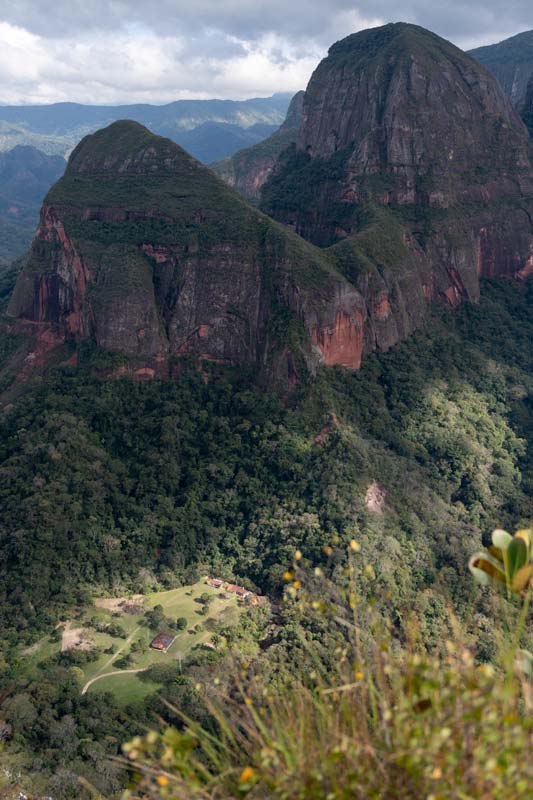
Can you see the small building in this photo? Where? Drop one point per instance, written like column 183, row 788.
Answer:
column 240, row 591
column 216, row 583
column 162, row 641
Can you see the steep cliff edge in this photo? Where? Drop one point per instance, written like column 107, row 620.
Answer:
column 527, row 108
column 410, row 179
column 248, row 169
column 511, row 61
column 413, row 168
column 143, row 249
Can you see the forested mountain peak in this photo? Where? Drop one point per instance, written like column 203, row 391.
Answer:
column 410, row 164
column 144, row 249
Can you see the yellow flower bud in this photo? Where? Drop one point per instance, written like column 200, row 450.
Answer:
column 246, row 775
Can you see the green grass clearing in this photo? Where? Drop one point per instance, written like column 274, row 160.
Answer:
column 224, row 608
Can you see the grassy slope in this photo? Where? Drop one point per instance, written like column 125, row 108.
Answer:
column 176, row 603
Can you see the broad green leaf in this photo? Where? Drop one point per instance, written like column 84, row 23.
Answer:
column 526, row 535
column 516, row 556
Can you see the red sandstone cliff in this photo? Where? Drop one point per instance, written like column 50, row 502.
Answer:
column 413, row 169
column 144, row 250
column 411, row 179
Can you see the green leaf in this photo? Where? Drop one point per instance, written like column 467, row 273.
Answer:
column 516, row 556
column 527, row 536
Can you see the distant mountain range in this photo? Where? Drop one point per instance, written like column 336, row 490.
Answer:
column 208, row 129
column 34, row 141
column 26, row 174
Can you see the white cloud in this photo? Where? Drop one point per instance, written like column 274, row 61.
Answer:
column 126, row 51
column 143, row 67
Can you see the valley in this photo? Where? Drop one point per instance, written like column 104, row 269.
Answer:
column 266, row 439
column 87, row 644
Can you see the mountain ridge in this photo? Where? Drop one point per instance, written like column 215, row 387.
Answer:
column 57, row 128
column 144, row 248
column 511, row 61
column 148, row 251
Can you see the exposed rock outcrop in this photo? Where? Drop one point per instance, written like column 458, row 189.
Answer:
column 143, row 249
column 511, row 61
column 527, row 108
column 413, row 168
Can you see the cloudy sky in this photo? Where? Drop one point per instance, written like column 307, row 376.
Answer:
column 127, row 51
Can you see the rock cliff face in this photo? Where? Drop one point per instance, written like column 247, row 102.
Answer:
column 143, row 249
column 527, row 109
column 410, row 179
column 248, row 169
column 412, row 168
column 511, row 61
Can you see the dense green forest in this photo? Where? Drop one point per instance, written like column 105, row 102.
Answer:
column 124, row 485
column 101, row 478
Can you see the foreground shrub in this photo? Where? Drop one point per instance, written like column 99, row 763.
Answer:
column 414, row 727
column 392, row 722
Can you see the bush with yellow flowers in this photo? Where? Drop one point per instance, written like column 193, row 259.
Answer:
column 393, row 722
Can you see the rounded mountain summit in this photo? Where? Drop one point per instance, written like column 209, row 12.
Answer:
column 402, row 117
column 143, row 249
column 410, row 180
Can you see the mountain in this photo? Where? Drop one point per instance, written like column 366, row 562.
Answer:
column 413, row 168
column 26, row 174
column 511, row 61
column 248, row 169
column 144, row 249
column 349, row 506
column 216, row 140
column 57, row 128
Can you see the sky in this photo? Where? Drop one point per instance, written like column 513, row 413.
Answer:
column 156, row 51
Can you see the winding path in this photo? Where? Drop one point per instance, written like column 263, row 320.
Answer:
column 108, row 674
column 110, row 661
